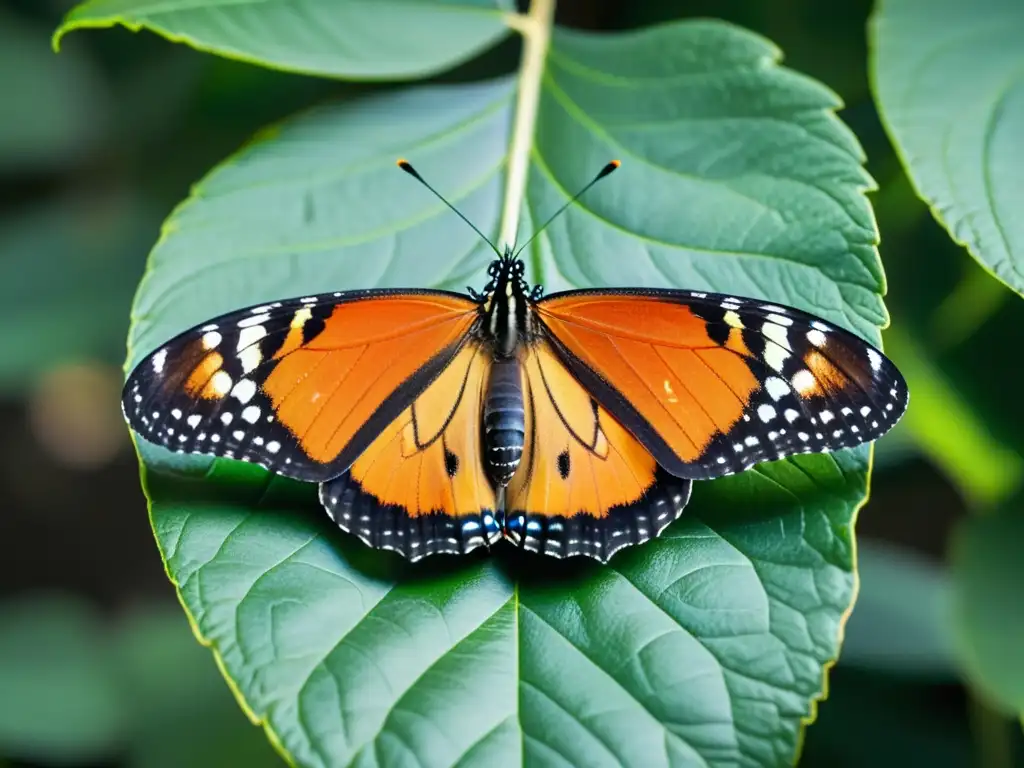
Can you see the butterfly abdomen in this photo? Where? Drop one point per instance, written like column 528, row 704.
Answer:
column 504, row 421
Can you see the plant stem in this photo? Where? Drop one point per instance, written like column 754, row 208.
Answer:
column 535, row 27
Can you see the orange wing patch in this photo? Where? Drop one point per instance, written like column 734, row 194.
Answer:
column 325, row 390
column 585, row 485
column 659, row 357
column 420, row 486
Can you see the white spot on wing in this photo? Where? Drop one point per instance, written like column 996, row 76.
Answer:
column 804, row 381
column 826, row 417
column 226, row 418
column 875, row 359
column 775, row 356
column 250, row 335
column 193, row 420
column 248, row 322
column 273, row 446
column 250, row 358
column 780, row 319
column 766, row 412
column 244, row 390
column 776, row 387
column 816, row 337
column 251, row 413
column 221, row 383
column 159, row 359
column 211, row 339
column 776, row 333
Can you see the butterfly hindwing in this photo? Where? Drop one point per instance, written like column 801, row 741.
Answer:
column 712, row 384
column 420, row 487
column 302, row 386
column 585, row 485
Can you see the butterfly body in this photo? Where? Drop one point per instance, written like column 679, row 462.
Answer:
column 570, row 424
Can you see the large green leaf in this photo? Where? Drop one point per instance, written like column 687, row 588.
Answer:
column 948, row 75
column 988, row 625
column 364, row 39
column 705, row 647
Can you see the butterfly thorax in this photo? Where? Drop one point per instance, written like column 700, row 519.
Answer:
column 505, row 324
column 504, row 306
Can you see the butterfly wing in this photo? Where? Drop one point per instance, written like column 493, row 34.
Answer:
column 300, row 387
column 585, row 485
column 712, row 384
column 420, row 488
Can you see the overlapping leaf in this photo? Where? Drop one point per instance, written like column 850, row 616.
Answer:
column 705, row 647
column 363, row 39
column 987, row 625
column 948, row 76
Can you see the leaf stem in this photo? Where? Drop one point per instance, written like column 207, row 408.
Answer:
column 535, row 27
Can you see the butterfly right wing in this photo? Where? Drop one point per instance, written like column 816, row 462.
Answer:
column 300, row 387
column 585, row 485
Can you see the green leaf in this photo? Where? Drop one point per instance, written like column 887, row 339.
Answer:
column 901, row 621
column 361, row 39
column 707, row 646
column 946, row 75
column 988, row 624
column 60, row 701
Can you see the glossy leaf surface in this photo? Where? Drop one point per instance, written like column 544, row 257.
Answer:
column 948, row 78
column 361, row 39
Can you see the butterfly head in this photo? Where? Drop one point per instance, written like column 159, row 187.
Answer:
column 504, row 303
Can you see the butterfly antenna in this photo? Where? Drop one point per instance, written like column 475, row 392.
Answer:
column 407, row 167
column 600, row 175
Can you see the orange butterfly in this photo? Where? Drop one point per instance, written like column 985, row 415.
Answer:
column 571, row 424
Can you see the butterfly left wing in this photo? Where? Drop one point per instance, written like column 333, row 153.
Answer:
column 712, row 384
column 584, row 485
column 302, row 386
column 420, row 488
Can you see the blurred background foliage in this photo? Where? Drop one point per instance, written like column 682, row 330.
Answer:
column 97, row 665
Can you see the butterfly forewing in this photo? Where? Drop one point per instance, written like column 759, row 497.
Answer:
column 712, row 384
column 302, row 386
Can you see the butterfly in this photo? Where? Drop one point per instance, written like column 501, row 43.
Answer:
column 572, row 423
